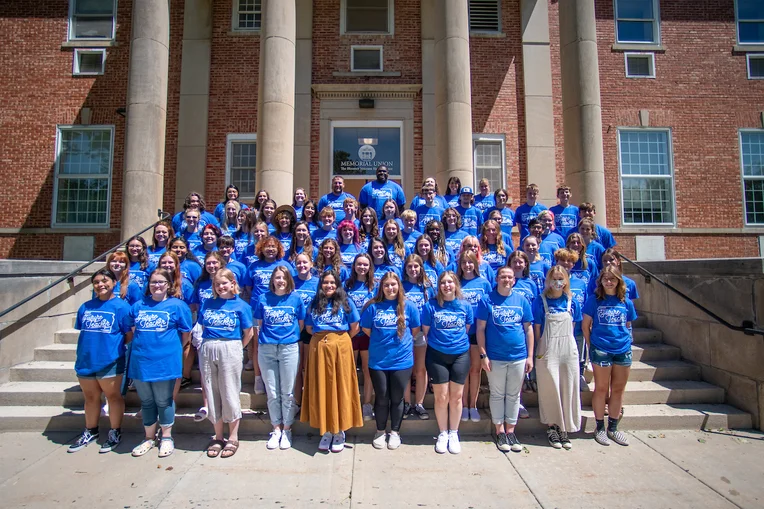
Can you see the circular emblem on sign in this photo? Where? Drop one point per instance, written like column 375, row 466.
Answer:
column 366, row 152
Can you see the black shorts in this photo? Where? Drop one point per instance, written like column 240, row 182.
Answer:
column 305, row 337
column 444, row 367
column 473, row 339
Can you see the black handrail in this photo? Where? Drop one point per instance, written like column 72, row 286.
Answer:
column 747, row 327
column 162, row 216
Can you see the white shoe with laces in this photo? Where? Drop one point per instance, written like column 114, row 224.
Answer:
column 379, row 440
column 286, row 439
column 454, row 447
column 274, row 440
column 338, row 442
column 393, row 441
column 326, row 442
column 441, row 445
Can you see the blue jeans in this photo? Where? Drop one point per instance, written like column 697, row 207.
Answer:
column 278, row 366
column 157, row 402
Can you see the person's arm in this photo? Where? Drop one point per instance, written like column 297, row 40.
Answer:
column 354, row 329
column 426, row 330
column 129, row 336
column 309, row 329
column 415, row 331
column 366, row 331
column 529, row 338
column 486, row 362
column 586, row 327
column 301, row 323
column 185, row 338
column 247, row 335
column 536, row 334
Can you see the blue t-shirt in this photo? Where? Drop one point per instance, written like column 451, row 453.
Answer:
column 220, row 209
column 285, row 239
column 538, row 272
column 138, row 275
column 348, row 252
column 155, row 254
column 559, row 305
column 225, row 319
column 418, row 200
column 472, row 219
column 280, row 317
column 483, row 203
column 452, row 200
column 360, row 294
column 205, row 218
column 306, row 289
column 374, row 195
column 507, row 219
column 474, row 290
column 580, row 293
column 433, row 273
column 565, row 218
column 102, row 326
column 201, row 251
column 631, row 288
column 187, row 289
column 239, row 272
column 202, row 292
column 190, row 270
column 336, row 203
column 604, row 237
column 454, row 240
column 418, row 295
column 409, row 240
column 330, row 322
column 504, row 321
column 381, row 269
column 527, row 288
column 260, row 275
column 609, row 318
column 586, row 275
column 487, row 272
column 241, row 242
column 192, row 238
column 425, row 214
column 156, row 352
column 594, row 252
column 448, row 325
column 320, row 234
column 523, row 216
column 387, row 351
column 395, row 259
column 495, row 259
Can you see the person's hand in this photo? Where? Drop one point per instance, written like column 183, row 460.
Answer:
column 486, row 364
column 528, row 365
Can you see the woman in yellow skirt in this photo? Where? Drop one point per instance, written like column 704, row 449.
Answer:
column 330, row 400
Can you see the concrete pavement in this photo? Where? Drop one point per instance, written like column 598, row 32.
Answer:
column 660, row 469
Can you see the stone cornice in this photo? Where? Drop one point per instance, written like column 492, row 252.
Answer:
column 365, row 91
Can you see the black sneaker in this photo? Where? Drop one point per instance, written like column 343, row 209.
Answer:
column 83, row 441
column 514, row 443
column 565, row 441
column 115, row 437
column 421, row 412
column 185, row 382
column 501, row 442
column 406, row 410
column 553, row 437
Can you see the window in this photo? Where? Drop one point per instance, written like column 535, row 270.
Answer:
column 752, row 161
column 640, row 65
column 367, row 16
column 637, row 21
column 241, row 162
column 485, row 16
column 247, row 14
column 88, row 62
column 82, row 185
column 750, row 21
column 755, row 66
column 366, row 58
column 92, row 19
column 488, row 160
column 647, row 187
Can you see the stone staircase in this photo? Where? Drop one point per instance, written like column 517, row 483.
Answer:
column 663, row 392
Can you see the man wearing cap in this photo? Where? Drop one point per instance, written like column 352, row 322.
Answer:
column 335, row 199
column 472, row 218
column 374, row 194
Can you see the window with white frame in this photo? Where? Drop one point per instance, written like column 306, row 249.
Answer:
column 247, row 15
column 366, row 16
column 366, row 58
column 637, row 21
column 82, row 185
column 647, row 187
column 485, row 16
column 750, row 21
column 755, row 64
column 752, row 162
column 488, row 160
column 92, row 19
column 241, row 162
column 88, row 61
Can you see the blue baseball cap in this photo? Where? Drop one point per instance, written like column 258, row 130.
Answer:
column 466, row 190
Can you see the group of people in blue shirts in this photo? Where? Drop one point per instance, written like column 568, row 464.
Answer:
column 426, row 297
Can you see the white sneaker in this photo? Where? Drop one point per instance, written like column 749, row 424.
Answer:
column 441, row 445
column 474, row 415
column 274, row 440
column 105, row 410
column 326, row 442
column 259, row 385
column 338, row 442
column 379, row 440
column 465, row 414
column 454, row 447
column 367, row 411
column 249, row 366
column 286, row 439
column 523, row 413
column 394, row 441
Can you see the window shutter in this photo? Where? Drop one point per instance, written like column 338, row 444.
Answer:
column 485, row 16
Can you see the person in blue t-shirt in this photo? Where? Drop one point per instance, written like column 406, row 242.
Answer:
column 493, row 250
column 374, row 194
column 446, row 322
column 190, row 266
column 419, row 199
column 396, row 249
column 484, row 200
column 608, row 315
column 369, row 228
column 227, row 328
column 162, row 326
column 226, row 246
column 336, row 199
column 429, row 210
column 126, row 290
column 298, row 202
column 349, row 243
column 210, row 235
column 612, row 258
column 310, row 215
column 554, row 314
column 565, row 214
column 380, row 259
column 495, row 215
column 327, row 230
column 330, row 394
column 603, row 235
column 301, row 243
column 443, row 253
column 180, row 285
column 539, row 266
column 305, row 286
column 390, row 321
column 471, row 243
column 409, row 234
column 500, row 198
column 193, row 200
column 231, row 194
column 505, row 343
column 452, row 191
column 330, row 258
column 453, row 235
column 432, row 267
column 548, row 235
column 568, row 259
column 524, row 285
column 137, row 253
column 280, row 314
column 284, row 219
column 232, row 215
column 472, row 217
column 528, row 210
column 104, row 323
column 163, row 232
column 192, row 230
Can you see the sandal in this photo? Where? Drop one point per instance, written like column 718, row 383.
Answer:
column 201, row 414
column 143, row 447
column 214, row 448
column 231, row 446
column 166, row 447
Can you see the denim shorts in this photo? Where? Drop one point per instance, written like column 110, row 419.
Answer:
column 419, row 340
column 114, row 369
column 605, row 360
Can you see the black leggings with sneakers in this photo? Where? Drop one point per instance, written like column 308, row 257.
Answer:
column 389, row 386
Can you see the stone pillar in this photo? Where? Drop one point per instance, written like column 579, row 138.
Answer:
column 453, row 101
column 275, row 100
column 145, row 124
column 429, row 149
column 582, row 111
column 302, row 96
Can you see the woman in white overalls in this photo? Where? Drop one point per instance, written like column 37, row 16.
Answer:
column 554, row 313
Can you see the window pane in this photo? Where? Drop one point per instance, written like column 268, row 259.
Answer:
column 96, row 27
column 94, row 7
column 647, row 200
column 90, row 63
column 243, row 167
column 754, row 201
column 82, row 201
column 646, row 177
column 750, row 9
column 638, row 66
column 635, row 31
column 484, row 15
column 488, row 163
column 368, row 59
column 86, row 152
column 249, row 14
column 635, row 9
column 752, row 144
column 751, row 32
column 644, row 153
column 366, row 16
column 756, row 66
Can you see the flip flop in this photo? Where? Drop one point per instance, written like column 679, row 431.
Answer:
column 231, row 446
column 214, row 448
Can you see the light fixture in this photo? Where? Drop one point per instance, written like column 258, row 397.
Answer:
column 366, row 103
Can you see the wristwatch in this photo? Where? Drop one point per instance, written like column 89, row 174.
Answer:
column 483, row 356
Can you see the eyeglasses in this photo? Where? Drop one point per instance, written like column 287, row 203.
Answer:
column 158, row 283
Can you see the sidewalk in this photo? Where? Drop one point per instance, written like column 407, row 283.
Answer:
column 659, row 469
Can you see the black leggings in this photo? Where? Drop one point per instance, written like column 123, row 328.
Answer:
column 389, row 386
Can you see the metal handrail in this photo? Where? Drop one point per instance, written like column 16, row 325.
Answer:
column 162, row 216
column 747, row 327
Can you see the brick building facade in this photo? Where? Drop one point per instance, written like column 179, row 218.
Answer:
column 703, row 106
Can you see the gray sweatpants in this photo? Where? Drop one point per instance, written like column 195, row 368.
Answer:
column 505, row 381
column 220, row 363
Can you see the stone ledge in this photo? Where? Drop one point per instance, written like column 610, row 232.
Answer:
column 366, row 74
column 29, row 268
column 748, row 48
column 656, row 48
column 89, row 44
column 366, row 90
column 705, row 267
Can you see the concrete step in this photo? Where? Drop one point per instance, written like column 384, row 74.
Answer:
column 663, row 370
column 644, row 335
column 57, row 352
column 655, row 352
column 66, row 336
column 638, row 417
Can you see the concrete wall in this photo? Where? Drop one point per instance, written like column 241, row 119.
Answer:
column 734, row 290
column 34, row 324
